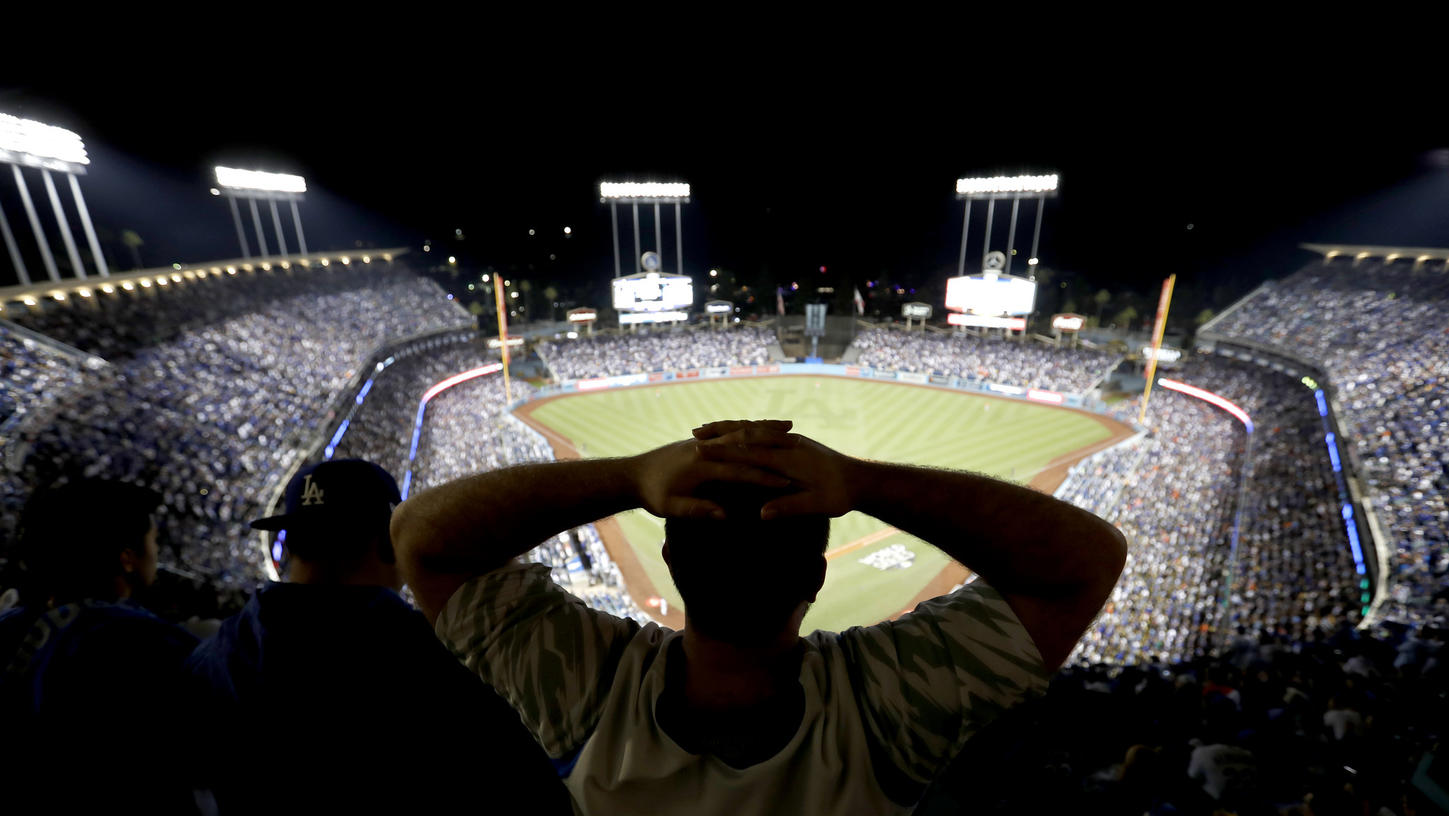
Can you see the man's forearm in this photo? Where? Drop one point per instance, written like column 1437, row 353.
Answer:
column 1019, row 540
column 479, row 523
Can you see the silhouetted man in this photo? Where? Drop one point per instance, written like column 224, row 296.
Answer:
column 92, row 701
column 330, row 690
column 737, row 713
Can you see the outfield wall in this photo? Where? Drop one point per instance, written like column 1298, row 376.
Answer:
column 937, row 379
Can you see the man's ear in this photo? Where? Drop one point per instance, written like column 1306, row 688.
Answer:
column 385, row 552
column 819, row 580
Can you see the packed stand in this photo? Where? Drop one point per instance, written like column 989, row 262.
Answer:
column 1068, row 370
column 1336, row 724
column 1294, row 571
column 1172, row 493
column 209, row 414
column 381, row 430
column 31, row 377
column 468, row 429
column 610, row 355
column 34, row 381
column 1381, row 332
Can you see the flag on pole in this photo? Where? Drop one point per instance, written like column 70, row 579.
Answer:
column 780, row 300
column 859, row 302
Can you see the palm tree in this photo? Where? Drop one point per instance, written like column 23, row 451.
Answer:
column 133, row 242
column 1102, row 298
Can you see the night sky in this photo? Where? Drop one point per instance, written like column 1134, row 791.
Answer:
column 852, row 170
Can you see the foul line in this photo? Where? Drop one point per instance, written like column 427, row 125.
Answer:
column 864, row 541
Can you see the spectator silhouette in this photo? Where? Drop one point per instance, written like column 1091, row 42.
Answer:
column 88, row 672
column 321, row 673
column 737, row 713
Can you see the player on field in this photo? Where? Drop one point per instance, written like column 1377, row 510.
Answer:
column 737, row 713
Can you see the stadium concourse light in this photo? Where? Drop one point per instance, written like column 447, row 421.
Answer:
column 257, row 184
column 1014, row 188
column 28, row 143
column 645, row 192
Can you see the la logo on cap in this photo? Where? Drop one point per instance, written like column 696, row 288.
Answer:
column 311, row 494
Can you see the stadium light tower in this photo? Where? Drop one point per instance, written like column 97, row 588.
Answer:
column 28, row 143
column 255, row 185
column 648, row 192
column 1014, row 188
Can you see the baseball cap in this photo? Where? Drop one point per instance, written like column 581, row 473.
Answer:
column 329, row 493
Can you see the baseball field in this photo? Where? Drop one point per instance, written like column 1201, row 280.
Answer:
column 875, row 571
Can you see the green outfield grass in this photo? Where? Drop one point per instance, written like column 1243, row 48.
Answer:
column 1009, row 439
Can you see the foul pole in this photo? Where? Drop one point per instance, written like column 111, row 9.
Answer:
column 503, row 338
column 1157, row 330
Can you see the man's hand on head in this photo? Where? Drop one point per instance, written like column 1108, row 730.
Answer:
column 826, row 482
column 666, row 479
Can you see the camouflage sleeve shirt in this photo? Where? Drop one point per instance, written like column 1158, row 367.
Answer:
column 887, row 706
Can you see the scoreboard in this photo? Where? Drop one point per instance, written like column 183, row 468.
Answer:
column 652, row 297
column 993, row 295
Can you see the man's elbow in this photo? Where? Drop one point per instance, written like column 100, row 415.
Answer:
column 1111, row 560
column 404, row 540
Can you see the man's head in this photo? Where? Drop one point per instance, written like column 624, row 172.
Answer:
column 92, row 538
column 336, row 522
column 742, row 579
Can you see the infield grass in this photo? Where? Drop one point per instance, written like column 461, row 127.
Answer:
column 1009, row 439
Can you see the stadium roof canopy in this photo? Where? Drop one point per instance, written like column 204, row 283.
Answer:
column 179, row 274
column 1417, row 254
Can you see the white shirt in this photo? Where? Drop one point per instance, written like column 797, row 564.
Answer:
column 886, row 706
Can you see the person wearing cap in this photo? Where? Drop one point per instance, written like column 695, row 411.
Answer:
column 84, row 668
column 737, row 713
column 311, row 683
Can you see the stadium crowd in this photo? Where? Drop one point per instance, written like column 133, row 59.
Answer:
column 1172, row 493
column 31, row 377
column 1067, row 370
column 1186, row 501
column 1381, row 332
column 212, row 394
column 665, row 350
column 1337, row 724
column 381, row 429
column 1294, row 571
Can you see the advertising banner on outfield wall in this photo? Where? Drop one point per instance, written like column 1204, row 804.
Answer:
column 940, row 379
column 719, row 371
column 656, row 376
column 742, row 371
column 912, row 377
column 769, row 369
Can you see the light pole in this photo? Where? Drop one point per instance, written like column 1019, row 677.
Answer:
column 28, row 143
column 648, row 192
column 254, row 186
column 991, row 189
